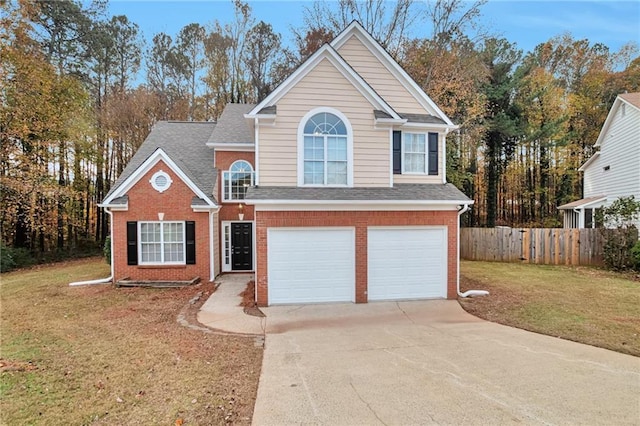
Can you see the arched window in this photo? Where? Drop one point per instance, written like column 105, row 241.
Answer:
column 325, row 150
column 237, row 179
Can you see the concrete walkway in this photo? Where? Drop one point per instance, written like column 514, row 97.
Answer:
column 222, row 311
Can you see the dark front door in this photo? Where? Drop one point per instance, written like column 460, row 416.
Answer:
column 241, row 244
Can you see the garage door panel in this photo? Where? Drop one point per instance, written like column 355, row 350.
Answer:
column 406, row 263
column 311, row 265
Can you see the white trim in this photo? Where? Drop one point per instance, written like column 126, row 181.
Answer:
column 443, row 172
column 612, row 112
column 239, row 146
column 256, row 130
column 391, row 157
column 426, row 154
column 392, row 66
column 226, row 175
column 589, row 161
column 361, row 202
column 325, row 52
column 212, row 262
column 357, row 207
column 433, row 127
column 153, row 181
column 300, row 146
column 115, row 207
column 147, row 165
column 229, row 267
column 161, row 242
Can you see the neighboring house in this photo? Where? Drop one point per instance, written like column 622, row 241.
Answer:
column 614, row 170
column 332, row 189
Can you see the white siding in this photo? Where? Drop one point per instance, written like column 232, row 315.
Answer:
column 324, row 86
column 620, row 152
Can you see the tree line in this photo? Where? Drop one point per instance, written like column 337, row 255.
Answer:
column 73, row 110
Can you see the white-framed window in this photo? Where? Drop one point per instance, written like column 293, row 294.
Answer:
column 161, row 243
column 160, row 181
column 325, row 149
column 415, row 153
column 236, row 180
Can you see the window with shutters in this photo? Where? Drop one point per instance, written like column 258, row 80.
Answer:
column 161, row 243
column 415, row 153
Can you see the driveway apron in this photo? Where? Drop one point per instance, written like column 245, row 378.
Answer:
column 429, row 362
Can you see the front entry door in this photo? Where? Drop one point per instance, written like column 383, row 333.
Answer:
column 241, row 244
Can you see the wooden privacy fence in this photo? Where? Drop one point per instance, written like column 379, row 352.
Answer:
column 548, row 246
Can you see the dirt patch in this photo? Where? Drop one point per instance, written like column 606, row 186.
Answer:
column 248, row 300
column 11, row 365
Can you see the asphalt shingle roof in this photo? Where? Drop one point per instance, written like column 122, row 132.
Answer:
column 400, row 192
column 412, row 118
column 185, row 143
column 581, row 202
column 232, row 127
column 632, row 98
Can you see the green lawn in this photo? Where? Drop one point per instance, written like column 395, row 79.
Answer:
column 101, row 355
column 583, row 304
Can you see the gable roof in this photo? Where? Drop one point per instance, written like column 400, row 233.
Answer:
column 329, row 53
column 357, row 30
column 632, row 99
column 232, row 127
column 182, row 144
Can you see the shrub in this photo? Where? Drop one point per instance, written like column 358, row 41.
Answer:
column 13, row 258
column 620, row 241
column 106, row 249
column 6, row 260
column 635, row 252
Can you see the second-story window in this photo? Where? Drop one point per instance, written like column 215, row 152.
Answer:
column 325, row 158
column 236, row 180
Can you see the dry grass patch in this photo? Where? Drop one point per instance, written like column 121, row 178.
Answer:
column 101, row 355
column 583, row 304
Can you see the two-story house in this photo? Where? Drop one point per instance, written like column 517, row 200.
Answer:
column 332, row 189
column 614, row 170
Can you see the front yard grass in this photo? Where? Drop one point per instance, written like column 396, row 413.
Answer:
column 583, row 304
column 101, row 355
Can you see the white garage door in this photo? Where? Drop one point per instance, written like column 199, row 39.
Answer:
column 407, row 263
column 311, row 265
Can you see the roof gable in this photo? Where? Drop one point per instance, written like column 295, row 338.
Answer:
column 355, row 29
column 326, row 52
column 631, row 99
column 184, row 145
column 143, row 169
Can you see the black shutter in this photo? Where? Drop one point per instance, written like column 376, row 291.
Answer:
column 132, row 243
column 397, row 152
column 433, row 153
column 190, row 236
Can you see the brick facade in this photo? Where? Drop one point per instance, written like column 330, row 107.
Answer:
column 229, row 210
column 361, row 220
column 144, row 205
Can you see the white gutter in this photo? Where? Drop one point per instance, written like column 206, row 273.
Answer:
column 469, row 293
column 110, row 278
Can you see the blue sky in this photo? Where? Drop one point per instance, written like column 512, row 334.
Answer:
column 526, row 23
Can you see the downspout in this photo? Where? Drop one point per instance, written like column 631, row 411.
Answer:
column 469, row 293
column 108, row 279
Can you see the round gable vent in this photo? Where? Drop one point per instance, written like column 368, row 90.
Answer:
column 160, row 181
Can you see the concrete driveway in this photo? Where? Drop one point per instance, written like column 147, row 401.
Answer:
column 430, row 362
